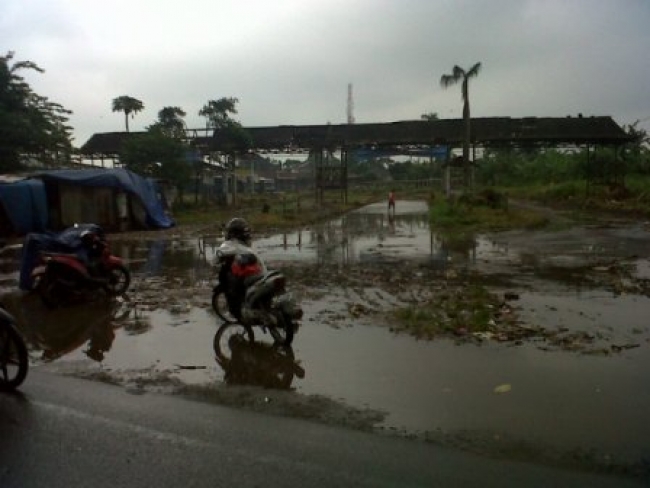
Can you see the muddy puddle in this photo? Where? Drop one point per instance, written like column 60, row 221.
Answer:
column 584, row 400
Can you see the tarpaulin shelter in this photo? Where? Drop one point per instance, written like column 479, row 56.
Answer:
column 145, row 202
column 116, row 199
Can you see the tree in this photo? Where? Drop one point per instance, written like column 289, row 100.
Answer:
column 157, row 155
column 459, row 74
column 637, row 151
column 217, row 112
column 128, row 105
column 232, row 138
column 429, row 116
column 170, row 122
column 29, row 123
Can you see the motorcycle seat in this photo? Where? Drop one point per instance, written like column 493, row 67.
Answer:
column 250, row 280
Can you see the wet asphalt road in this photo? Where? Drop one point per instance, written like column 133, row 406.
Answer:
column 65, row 432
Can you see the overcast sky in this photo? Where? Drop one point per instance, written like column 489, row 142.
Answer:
column 289, row 62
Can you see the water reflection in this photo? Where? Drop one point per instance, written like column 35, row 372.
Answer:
column 361, row 237
column 58, row 332
column 188, row 258
column 246, row 361
column 368, row 235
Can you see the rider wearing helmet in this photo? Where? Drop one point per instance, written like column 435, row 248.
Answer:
column 92, row 245
column 241, row 264
column 238, row 229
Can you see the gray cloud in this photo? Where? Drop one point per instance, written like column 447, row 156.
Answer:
column 289, row 61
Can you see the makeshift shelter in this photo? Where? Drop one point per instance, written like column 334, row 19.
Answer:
column 116, row 199
column 108, row 197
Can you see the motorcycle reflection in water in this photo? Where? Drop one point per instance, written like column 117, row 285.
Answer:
column 249, row 362
column 62, row 331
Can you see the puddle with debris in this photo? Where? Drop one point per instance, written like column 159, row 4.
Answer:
column 531, row 400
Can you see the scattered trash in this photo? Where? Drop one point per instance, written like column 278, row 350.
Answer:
column 505, row 388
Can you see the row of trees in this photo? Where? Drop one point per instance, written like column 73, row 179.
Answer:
column 162, row 151
column 218, row 114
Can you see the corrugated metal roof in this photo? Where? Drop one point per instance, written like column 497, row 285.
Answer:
column 491, row 130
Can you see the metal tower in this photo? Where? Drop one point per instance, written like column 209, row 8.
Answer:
column 350, row 105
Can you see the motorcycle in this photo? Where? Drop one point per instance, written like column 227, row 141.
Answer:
column 14, row 361
column 275, row 310
column 249, row 362
column 63, row 277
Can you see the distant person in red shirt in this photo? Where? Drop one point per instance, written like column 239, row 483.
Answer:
column 391, row 201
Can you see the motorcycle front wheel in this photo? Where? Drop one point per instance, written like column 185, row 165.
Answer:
column 119, row 279
column 220, row 305
column 225, row 336
column 13, row 358
column 282, row 331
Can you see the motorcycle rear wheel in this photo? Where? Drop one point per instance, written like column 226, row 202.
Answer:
column 227, row 333
column 220, row 305
column 119, row 279
column 49, row 291
column 282, row 331
column 14, row 361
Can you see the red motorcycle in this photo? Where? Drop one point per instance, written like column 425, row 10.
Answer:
column 61, row 278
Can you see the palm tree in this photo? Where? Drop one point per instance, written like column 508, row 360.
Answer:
column 459, row 74
column 128, row 105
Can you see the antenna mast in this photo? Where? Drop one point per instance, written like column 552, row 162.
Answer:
column 350, row 105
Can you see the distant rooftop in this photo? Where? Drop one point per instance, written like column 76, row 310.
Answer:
column 558, row 131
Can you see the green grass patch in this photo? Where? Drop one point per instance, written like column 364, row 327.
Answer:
column 632, row 197
column 486, row 212
column 275, row 211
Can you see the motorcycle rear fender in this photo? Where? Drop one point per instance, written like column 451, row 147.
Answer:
column 288, row 306
column 66, row 261
column 260, row 290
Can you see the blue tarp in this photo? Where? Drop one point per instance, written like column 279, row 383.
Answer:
column 25, row 205
column 438, row 152
column 144, row 189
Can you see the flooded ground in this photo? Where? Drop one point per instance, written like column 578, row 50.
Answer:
column 579, row 396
